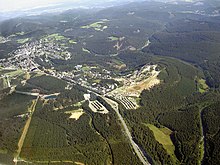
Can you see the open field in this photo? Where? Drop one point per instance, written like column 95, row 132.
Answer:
column 75, row 114
column 202, row 86
column 163, row 137
column 98, row 26
column 23, row 41
column 113, row 38
column 72, row 42
column 86, row 50
column 55, row 36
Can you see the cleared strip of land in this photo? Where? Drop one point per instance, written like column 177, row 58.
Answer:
column 162, row 135
column 25, row 130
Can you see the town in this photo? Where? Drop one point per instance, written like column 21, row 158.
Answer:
column 29, row 56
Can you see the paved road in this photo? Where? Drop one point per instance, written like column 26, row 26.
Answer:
column 114, row 105
column 136, row 148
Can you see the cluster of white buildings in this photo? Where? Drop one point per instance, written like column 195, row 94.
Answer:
column 24, row 57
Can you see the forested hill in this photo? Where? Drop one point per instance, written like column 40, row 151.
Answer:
column 55, row 70
column 195, row 41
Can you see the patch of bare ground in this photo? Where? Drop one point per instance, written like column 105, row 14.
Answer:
column 75, row 114
column 79, row 163
column 133, row 84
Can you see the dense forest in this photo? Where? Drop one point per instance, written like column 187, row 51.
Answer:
column 210, row 118
column 194, row 41
column 11, row 125
column 177, row 120
column 178, row 105
column 60, row 138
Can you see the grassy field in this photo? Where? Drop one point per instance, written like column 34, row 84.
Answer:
column 162, row 135
column 72, row 42
column 86, row 50
column 56, row 37
column 98, row 26
column 86, row 68
column 93, row 25
column 202, row 86
column 23, row 41
column 113, row 38
column 20, row 33
column 75, row 114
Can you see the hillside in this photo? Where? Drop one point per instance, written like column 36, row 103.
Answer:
column 133, row 83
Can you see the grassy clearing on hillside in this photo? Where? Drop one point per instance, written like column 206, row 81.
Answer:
column 86, row 50
column 72, row 42
column 20, row 33
column 98, row 26
column 93, row 25
column 163, row 137
column 22, row 41
column 113, row 38
column 177, row 84
column 75, row 114
column 56, row 37
column 86, row 68
column 202, row 86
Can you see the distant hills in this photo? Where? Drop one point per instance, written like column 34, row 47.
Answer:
column 157, row 63
column 61, row 7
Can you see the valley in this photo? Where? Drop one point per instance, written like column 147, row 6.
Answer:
column 136, row 83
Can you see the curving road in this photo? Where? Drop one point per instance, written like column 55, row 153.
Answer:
column 136, row 148
column 114, row 105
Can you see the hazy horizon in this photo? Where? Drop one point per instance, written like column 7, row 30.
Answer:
column 12, row 5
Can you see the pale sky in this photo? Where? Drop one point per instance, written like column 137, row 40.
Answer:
column 10, row 5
